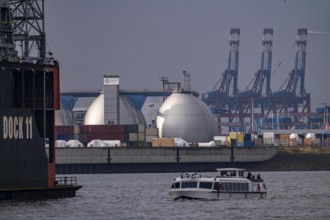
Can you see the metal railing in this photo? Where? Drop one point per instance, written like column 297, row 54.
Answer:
column 66, row 181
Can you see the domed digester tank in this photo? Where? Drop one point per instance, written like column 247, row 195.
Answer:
column 186, row 116
column 63, row 116
column 128, row 114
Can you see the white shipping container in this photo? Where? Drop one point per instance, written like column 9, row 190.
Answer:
column 220, row 140
column 132, row 137
column 268, row 141
column 151, row 131
column 141, row 136
column 269, row 135
column 149, row 138
column 60, row 143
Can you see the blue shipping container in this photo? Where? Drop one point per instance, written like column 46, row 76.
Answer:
column 249, row 144
column 247, row 137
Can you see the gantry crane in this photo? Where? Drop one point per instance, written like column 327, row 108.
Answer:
column 292, row 98
column 223, row 99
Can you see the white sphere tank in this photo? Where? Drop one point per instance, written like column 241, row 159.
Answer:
column 128, row 114
column 186, row 116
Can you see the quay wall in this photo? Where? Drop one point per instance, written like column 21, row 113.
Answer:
column 102, row 160
column 157, row 160
column 162, row 155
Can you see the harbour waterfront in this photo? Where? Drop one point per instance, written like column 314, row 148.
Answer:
column 201, row 160
column 291, row 195
column 156, row 159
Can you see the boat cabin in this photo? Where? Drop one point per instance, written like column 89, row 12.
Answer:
column 231, row 173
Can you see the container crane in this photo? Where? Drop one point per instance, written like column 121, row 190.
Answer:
column 292, row 97
column 223, row 99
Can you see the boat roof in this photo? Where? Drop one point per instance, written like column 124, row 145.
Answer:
column 231, row 169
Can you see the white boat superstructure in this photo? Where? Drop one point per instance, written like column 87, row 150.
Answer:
column 229, row 183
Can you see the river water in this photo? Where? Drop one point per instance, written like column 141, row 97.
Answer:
column 291, row 195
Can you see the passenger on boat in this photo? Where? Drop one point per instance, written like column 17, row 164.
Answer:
column 249, row 176
column 259, row 178
column 253, row 178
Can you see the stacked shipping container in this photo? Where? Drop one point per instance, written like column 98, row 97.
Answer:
column 135, row 135
column 130, row 135
column 64, row 132
column 151, row 133
column 101, row 132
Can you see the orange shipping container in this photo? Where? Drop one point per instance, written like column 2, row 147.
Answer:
column 163, row 142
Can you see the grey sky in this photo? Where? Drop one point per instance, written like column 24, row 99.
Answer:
column 142, row 40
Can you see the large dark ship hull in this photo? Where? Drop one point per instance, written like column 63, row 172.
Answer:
column 29, row 96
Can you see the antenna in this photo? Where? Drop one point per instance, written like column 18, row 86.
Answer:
column 187, row 84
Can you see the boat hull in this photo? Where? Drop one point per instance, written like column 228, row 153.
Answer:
column 214, row 195
column 36, row 193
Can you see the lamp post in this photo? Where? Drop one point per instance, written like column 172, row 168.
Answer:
column 325, row 117
column 278, row 121
column 252, row 116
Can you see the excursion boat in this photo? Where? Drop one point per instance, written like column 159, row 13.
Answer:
column 229, row 183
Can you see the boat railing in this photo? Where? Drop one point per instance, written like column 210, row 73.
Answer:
column 66, row 181
column 257, row 180
column 190, row 175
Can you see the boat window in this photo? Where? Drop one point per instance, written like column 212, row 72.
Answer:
column 230, row 186
column 172, row 186
column 227, row 173
column 235, row 187
column 189, row 184
column 245, row 186
column 205, row 185
column 216, row 186
column 240, row 187
column 177, row 185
